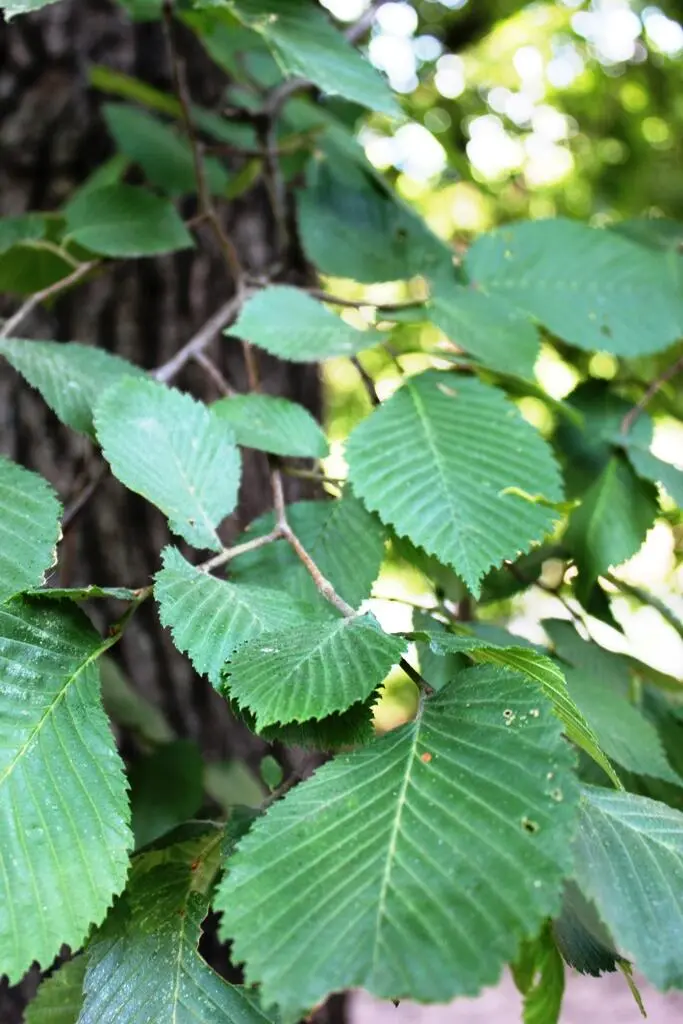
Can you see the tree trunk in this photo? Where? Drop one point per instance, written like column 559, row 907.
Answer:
column 51, row 137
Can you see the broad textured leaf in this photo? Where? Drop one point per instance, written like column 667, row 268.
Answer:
column 165, row 157
column 489, row 329
column 598, row 682
column 541, row 669
column 593, row 288
column 539, row 976
column 80, row 594
column 414, row 866
column 273, row 425
column 209, row 617
column 65, row 840
column 122, row 220
column 305, row 44
column 166, row 789
column 328, row 530
column 374, row 236
column 649, row 467
column 611, row 523
column 143, row 964
column 29, row 528
column 311, row 671
column 29, row 227
column 70, row 377
column 458, row 451
column 175, row 452
column 629, row 862
column 60, row 997
column 290, row 324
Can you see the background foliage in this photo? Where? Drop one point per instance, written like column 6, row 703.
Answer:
column 477, row 621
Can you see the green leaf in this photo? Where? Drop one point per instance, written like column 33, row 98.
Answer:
column 65, row 841
column 352, row 225
column 29, row 227
column 489, row 329
column 273, row 425
column 175, row 452
column 27, row 268
column 611, row 523
column 14, row 7
column 79, row 594
column 271, row 772
column 143, row 964
column 598, row 682
column 305, row 44
column 629, row 862
column 588, row 446
column 414, row 866
column 342, row 730
column 164, row 156
column 166, row 789
column 288, row 323
column 649, row 467
column 70, row 377
column 311, row 671
column 593, row 288
column 328, row 530
column 209, row 618
column 545, row 672
column 581, row 937
column 458, row 452
column 59, row 997
column 29, row 528
column 539, row 976
column 122, row 220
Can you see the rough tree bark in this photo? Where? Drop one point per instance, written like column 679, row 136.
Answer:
column 51, row 138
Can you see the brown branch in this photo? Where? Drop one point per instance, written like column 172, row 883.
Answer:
column 206, row 207
column 367, row 381
column 322, row 584
column 199, row 341
column 81, row 499
column 666, row 375
column 212, row 371
column 44, row 294
column 240, row 549
column 386, row 307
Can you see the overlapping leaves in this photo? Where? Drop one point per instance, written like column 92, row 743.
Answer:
column 412, row 867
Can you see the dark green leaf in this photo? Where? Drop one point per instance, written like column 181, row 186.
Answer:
column 122, row 220
column 649, row 467
column 166, row 789
column 59, row 997
column 539, row 976
column 611, row 523
column 29, row 227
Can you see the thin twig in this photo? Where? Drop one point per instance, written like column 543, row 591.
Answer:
column 76, row 506
column 367, row 381
column 44, row 294
column 312, row 474
column 199, row 341
column 666, row 375
column 206, row 207
column 240, row 549
column 364, row 23
column 418, row 679
column 322, row 584
column 386, row 307
column 214, row 373
column 646, row 598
